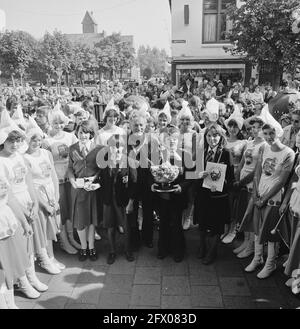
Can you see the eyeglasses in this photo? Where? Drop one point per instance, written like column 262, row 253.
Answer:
column 295, row 121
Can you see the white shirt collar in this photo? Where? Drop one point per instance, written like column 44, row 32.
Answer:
column 87, row 145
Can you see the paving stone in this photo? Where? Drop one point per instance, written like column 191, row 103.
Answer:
column 203, row 275
column 234, row 287
column 81, row 306
column 43, row 276
column 206, row 296
column 49, row 300
column 122, row 266
column 93, row 275
column 51, row 304
column 146, row 295
column 87, row 293
column 176, row 286
column 114, row 301
column 266, row 298
column 233, row 302
column 180, row 269
column 229, row 268
column 24, row 305
column 176, row 302
column 147, row 275
column 253, row 281
column 146, row 307
column 118, row 284
column 148, row 260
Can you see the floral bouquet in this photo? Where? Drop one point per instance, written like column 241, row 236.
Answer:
column 164, row 175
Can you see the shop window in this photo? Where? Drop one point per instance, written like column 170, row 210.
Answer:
column 215, row 22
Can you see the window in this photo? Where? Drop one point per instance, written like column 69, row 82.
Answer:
column 215, row 22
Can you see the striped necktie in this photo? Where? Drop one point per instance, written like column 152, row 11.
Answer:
column 209, row 156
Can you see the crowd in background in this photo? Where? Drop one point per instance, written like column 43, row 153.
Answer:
column 54, row 186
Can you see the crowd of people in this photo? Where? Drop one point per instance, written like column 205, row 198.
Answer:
column 77, row 159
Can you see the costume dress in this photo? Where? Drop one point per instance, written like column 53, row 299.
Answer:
column 59, row 147
column 40, row 168
column 13, row 254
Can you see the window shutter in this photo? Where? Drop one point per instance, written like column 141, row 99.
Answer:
column 186, row 14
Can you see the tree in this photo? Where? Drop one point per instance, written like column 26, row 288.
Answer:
column 262, row 34
column 17, row 52
column 115, row 54
column 152, row 59
column 55, row 53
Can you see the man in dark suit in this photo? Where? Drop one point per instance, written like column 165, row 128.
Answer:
column 140, row 148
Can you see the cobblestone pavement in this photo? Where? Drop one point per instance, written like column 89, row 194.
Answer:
column 150, row 283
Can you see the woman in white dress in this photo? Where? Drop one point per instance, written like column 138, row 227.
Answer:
column 272, row 172
column 236, row 146
column 16, row 172
column 58, row 143
column 13, row 257
column 244, row 184
column 41, row 166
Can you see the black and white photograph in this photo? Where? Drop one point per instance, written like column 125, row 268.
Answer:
column 149, row 157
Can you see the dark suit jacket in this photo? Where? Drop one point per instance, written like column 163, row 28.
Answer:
column 114, row 186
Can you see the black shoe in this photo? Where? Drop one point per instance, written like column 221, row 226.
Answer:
column 149, row 244
column 178, row 258
column 111, row 258
column 93, row 255
column 201, row 253
column 129, row 256
column 82, row 256
column 161, row 255
column 210, row 258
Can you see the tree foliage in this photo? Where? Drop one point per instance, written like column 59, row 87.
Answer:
column 262, row 32
column 151, row 59
column 20, row 53
column 17, row 52
column 55, row 51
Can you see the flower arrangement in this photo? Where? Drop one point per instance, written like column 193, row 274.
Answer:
column 164, row 174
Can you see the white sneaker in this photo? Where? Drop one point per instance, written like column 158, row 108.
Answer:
column 26, row 288
column 248, row 251
column 254, row 265
column 296, row 286
column 229, row 237
column 289, row 282
column 57, row 264
column 97, row 236
column 267, row 271
column 241, row 247
column 50, row 267
column 186, row 224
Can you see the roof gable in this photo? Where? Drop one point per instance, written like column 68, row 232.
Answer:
column 88, row 18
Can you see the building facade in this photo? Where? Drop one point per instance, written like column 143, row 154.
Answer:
column 90, row 37
column 2, row 20
column 198, row 40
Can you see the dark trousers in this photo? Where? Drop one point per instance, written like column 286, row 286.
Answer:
column 171, row 236
column 147, row 227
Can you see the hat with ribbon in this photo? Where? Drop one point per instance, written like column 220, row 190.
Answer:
column 185, row 111
column 7, row 125
column 57, row 113
column 111, row 106
column 237, row 117
column 166, row 111
column 268, row 118
column 212, row 109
